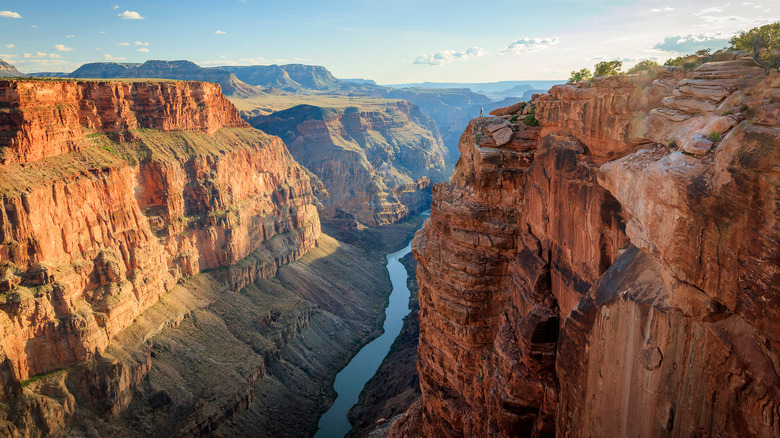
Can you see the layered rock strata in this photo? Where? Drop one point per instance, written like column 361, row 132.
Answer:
column 613, row 272
column 376, row 163
column 112, row 192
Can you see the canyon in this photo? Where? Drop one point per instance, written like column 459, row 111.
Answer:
column 163, row 267
column 376, row 161
column 604, row 262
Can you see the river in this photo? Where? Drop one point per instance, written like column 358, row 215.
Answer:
column 350, row 381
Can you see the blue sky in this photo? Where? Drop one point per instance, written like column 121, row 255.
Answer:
column 390, row 41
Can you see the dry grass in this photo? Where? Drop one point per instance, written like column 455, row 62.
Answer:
column 100, row 150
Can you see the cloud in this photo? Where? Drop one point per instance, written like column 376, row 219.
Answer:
column 9, row 14
column 529, row 45
column 447, row 56
column 108, row 57
column 139, row 43
column 9, row 46
column 130, row 15
column 122, row 44
column 666, row 9
column 709, row 10
column 691, row 43
column 614, row 58
column 40, row 55
column 143, row 50
column 116, row 7
column 63, row 48
column 70, row 36
column 219, row 32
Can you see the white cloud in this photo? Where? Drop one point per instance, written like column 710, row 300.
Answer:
column 447, row 56
column 726, row 19
column 693, row 42
column 108, row 57
column 9, row 46
column 9, row 14
column 139, row 43
column 130, row 15
column 219, row 32
column 70, row 36
column 143, row 50
column 116, row 7
column 122, row 44
column 40, row 55
column 529, row 45
column 34, row 26
column 63, row 48
column 708, row 11
column 666, row 9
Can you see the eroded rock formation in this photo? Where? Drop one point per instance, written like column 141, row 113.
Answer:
column 114, row 191
column 376, row 164
column 612, row 272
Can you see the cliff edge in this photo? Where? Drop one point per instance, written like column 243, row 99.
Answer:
column 114, row 191
column 612, row 271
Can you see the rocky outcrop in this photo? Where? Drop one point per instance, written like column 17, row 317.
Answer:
column 376, row 163
column 112, row 192
column 42, row 119
column 612, row 272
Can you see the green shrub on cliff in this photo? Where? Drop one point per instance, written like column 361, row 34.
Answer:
column 582, row 75
column 762, row 41
column 608, row 68
column 530, row 118
column 647, row 64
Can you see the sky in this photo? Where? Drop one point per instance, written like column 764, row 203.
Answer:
column 389, row 41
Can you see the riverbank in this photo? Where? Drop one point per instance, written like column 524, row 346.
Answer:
column 395, row 386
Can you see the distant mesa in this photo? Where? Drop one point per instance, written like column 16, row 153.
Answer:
column 9, row 71
column 179, row 70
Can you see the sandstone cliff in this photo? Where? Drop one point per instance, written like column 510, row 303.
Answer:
column 114, row 191
column 613, row 271
column 376, row 164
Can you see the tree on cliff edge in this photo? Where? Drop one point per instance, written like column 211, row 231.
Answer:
column 764, row 37
column 608, row 68
column 582, row 75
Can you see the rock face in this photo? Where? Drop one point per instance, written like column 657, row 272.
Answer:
column 377, row 164
column 608, row 273
column 112, row 192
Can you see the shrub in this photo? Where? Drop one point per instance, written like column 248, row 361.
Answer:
column 582, row 75
column 714, row 136
column 530, row 118
column 647, row 64
column 608, row 68
column 513, row 119
column 672, row 143
column 763, row 37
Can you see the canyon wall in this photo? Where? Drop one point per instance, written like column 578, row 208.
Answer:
column 114, row 191
column 376, row 163
column 612, row 271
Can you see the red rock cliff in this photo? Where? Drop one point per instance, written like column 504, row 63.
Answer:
column 43, row 119
column 613, row 272
column 113, row 191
